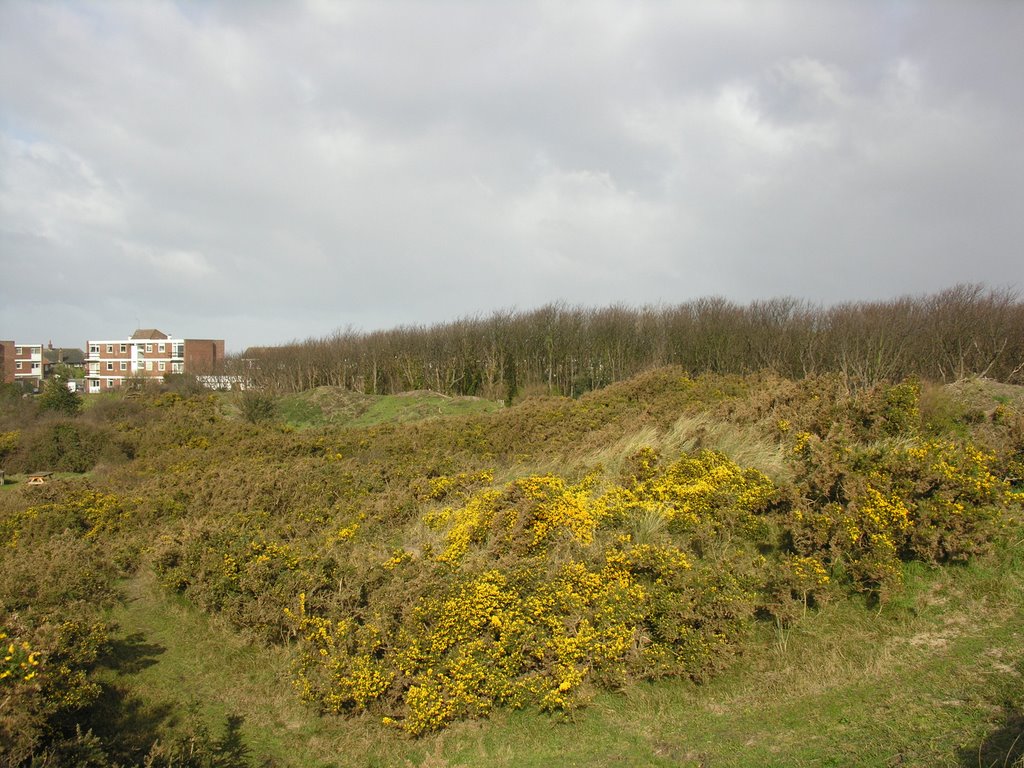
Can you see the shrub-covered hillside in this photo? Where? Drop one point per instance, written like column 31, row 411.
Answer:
column 411, row 575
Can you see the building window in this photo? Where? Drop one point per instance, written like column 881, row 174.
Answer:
column 124, row 366
column 177, row 368
column 149, row 365
column 159, row 347
column 110, row 349
column 110, row 366
column 17, row 350
column 124, row 348
column 17, row 365
column 149, row 347
column 163, row 366
column 35, row 366
column 110, row 383
column 94, row 349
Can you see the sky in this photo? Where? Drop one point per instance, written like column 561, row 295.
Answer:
column 269, row 171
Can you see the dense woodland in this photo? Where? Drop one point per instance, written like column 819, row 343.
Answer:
column 966, row 330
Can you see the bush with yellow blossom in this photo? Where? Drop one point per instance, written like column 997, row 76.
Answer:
column 538, row 595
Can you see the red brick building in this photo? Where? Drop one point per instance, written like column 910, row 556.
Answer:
column 21, row 363
column 6, row 361
column 148, row 354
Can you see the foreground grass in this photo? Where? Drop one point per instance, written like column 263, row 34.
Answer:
column 935, row 678
column 185, row 666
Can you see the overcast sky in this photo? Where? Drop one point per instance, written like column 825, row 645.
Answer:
column 265, row 171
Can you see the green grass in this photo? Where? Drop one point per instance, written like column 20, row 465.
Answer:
column 12, row 480
column 416, row 406
column 337, row 407
column 933, row 679
column 192, row 667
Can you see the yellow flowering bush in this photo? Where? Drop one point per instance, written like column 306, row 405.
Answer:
column 45, row 678
column 496, row 638
column 925, row 499
column 18, row 661
column 524, row 516
column 250, row 580
column 555, row 600
column 444, row 486
column 807, row 576
column 468, row 523
column 8, row 442
column 958, row 500
column 868, row 534
column 86, row 512
column 411, row 587
column 344, row 533
column 900, row 412
column 700, row 496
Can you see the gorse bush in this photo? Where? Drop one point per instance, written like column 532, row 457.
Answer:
column 62, row 445
column 539, row 591
column 56, row 573
column 432, row 571
column 537, row 594
column 8, row 443
column 249, row 580
column 871, row 507
column 62, row 552
column 45, row 683
column 256, row 406
column 57, row 397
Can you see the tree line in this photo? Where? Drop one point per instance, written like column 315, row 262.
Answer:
column 967, row 330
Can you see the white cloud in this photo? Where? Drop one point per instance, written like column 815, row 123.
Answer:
column 50, row 192
column 171, row 268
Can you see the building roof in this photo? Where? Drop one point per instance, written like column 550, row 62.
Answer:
column 149, row 333
column 67, row 355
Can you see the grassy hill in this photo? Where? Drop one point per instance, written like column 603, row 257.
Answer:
column 338, row 407
column 714, row 571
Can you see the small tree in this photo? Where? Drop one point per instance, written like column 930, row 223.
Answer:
column 256, row 406
column 57, row 397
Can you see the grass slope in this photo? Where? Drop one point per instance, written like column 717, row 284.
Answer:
column 338, row 407
column 934, row 679
column 192, row 666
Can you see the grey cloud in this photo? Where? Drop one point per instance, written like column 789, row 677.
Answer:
column 269, row 171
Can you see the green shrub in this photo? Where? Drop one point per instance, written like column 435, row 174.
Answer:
column 58, row 398
column 256, row 406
